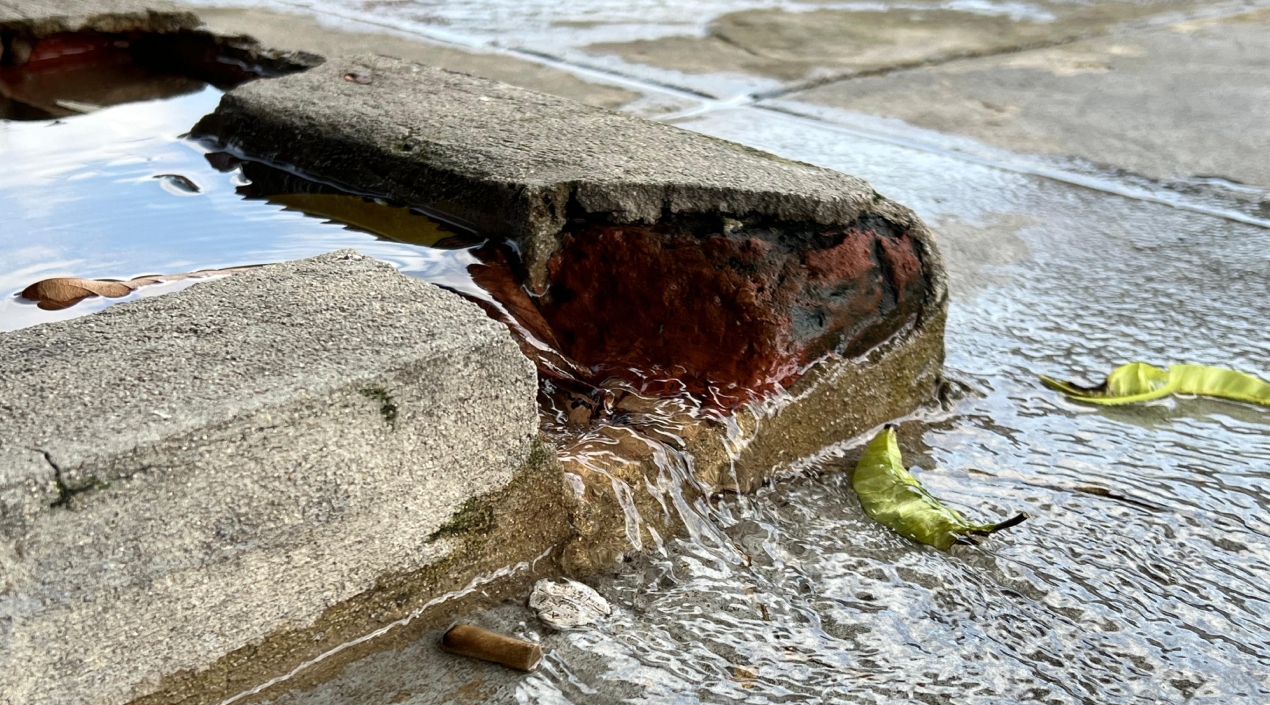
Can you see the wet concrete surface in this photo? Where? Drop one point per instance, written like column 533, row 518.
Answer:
column 347, row 37
column 1044, row 274
column 808, row 44
column 1177, row 102
column 1162, row 607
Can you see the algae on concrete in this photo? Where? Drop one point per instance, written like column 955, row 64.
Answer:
column 519, row 540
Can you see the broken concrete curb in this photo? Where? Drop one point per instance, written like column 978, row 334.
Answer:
column 189, row 474
column 620, row 224
column 207, row 491
column 41, row 18
column 514, row 162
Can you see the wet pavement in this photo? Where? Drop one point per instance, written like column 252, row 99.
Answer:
column 1143, row 574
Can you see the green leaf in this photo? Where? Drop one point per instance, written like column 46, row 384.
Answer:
column 894, row 498
column 1139, row 382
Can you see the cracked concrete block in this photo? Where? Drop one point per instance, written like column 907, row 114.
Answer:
column 38, row 18
column 515, row 162
column 622, row 225
column 183, row 476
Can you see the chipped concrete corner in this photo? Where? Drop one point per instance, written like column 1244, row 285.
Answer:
column 511, row 161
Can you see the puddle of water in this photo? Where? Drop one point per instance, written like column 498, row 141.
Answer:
column 118, row 193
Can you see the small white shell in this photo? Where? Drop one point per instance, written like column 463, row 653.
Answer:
column 567, row 604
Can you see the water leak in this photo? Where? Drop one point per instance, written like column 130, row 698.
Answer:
column 1142, row 575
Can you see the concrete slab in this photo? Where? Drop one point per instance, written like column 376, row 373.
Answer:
column 822, row 44
column 305, row 33
column 622, row 224
column 44, row 17
column 186, row 476
column 1174, row 103
column 514, row 162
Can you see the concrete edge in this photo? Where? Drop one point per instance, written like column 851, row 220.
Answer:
column 45, row 17
column 517, row 200
column 501, row 543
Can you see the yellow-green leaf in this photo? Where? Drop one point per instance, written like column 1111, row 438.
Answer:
column 894, row 498
column 1138, row 382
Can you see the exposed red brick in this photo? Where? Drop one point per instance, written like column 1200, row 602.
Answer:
column 726, row 316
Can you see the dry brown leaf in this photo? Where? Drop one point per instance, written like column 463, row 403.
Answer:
column 62, row 292
column 58, row 293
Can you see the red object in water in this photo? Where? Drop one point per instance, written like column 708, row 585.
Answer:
column 72, row 48
column 728, row 316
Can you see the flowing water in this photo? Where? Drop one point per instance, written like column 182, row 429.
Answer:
column 1144, row 572
column 1143, row 575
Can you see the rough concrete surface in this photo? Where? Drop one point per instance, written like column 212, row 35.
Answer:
column 420, row 673
column 515, row 162
column 1188, row 100
column 43, row 17
column 303, row 33
column 821, row 44
column 186, row 475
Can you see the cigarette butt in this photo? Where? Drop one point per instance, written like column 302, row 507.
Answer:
column 474, row 642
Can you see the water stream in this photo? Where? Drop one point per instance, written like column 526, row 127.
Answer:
column 1144, row 573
